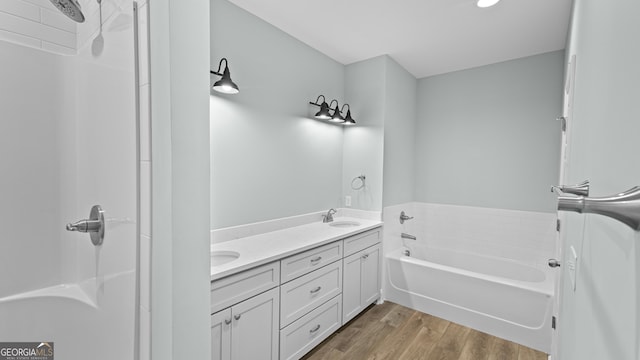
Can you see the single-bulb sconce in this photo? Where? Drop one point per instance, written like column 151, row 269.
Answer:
column 323, row 114
column 225, row 85
column 336, row 117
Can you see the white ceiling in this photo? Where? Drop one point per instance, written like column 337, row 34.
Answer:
column 427, row 37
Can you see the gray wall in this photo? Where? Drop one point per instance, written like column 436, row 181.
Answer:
column 269, row 158
column 488, row 137
column 399, row 139
column 363, row 143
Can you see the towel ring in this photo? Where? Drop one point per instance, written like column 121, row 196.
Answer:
column 362, row 182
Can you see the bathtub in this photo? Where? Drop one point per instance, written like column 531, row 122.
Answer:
column 497, row 296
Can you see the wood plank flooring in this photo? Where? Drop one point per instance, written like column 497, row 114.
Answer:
column 394, row 332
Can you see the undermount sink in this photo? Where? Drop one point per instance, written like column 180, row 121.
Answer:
column 222, row 257
column 344, row 224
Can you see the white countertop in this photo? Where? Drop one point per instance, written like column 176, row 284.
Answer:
column 264, row 248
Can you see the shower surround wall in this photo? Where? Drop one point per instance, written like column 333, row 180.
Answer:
column 52, row 101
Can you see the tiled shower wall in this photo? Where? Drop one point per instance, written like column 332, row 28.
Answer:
column 38, row 24
column 525, row 236
column 145, row 180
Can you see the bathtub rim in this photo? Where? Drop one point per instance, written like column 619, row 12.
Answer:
column 545, row 287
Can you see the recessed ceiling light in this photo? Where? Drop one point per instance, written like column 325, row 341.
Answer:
column 487, row 3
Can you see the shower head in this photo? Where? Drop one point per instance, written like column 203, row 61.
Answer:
column 71, row 8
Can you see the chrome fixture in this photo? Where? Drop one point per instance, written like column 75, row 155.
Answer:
column 94, row 225
column 323, row 114
column 407, row 252
column 624, row 207
column 71, row 8
column 363, row 183
column 336, row 116
column 328, row 217
column 563, row 122
column 407, row 236
column 225, row 84
column 404, row 217
column 581, row 189
column 554, row 263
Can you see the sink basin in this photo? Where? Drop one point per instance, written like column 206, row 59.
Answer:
column 344, row 224
column 222, row 257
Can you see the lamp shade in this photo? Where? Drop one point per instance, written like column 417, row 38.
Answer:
column 336, row 117
column 348, row 120
column 226, row 85
column 323, row 114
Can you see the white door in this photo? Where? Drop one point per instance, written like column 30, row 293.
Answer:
column 68, row 142
column 600, row 317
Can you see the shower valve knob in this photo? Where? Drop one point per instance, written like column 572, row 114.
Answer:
column 554, row 263
column 94, row 225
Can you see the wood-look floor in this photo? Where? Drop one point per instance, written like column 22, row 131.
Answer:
column 394, row 332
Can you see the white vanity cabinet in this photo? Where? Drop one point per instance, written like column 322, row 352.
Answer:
column 285, row 308
column 248, row 325
column 361, row 279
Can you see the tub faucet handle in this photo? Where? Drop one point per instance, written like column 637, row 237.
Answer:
column 404, row 217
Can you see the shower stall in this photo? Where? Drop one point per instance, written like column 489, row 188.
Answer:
column 69, row 139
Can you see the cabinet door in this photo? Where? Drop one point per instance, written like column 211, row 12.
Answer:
column 255, row 327
column 351, row 286
column 221, row 335
column 370, row 275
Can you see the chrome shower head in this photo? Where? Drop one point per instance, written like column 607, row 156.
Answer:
column 71, row 8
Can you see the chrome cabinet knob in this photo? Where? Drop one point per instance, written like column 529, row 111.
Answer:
column 554, row 263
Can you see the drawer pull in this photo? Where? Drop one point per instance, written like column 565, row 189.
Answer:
column 237, row 317
column 316, row 290
column 227, row 321
column 315, row 261
column 365, row 256
column 316, row 328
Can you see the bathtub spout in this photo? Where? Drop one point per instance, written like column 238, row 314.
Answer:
column 407, row 236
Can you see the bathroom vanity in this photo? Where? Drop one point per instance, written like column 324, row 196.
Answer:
column 308, row 281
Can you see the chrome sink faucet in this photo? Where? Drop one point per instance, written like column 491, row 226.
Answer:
column 328, row 217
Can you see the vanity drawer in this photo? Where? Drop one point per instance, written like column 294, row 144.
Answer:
column 305, row 293
column 361, row 241
column 309, row 331
column 236, row 288
column 300, row 264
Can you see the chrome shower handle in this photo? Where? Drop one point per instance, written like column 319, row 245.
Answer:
column 581, row 189
column 404, row 217
column 94, row 225
column 624, row 207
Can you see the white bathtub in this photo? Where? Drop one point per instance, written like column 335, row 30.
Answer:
column 501, row 297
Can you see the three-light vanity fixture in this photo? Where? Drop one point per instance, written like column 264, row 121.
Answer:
column 336, row 117
column 225, row 84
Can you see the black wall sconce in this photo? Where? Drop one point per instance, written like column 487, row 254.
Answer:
column 336, row 117
column 224, row 85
